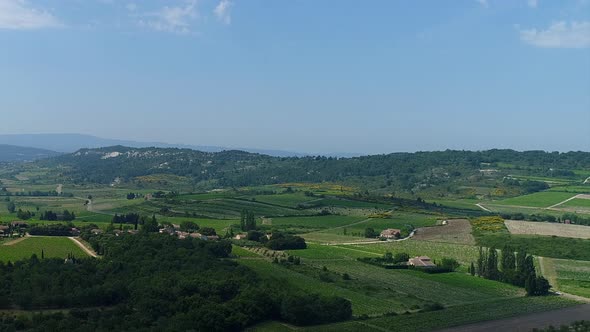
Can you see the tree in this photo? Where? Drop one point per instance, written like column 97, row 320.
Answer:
column 370, row 232
column 480, row 262
column 189, row 226
column 151, row 225
column 508, row 262
column 472, row 269
column 11, row 207
column 208, row 231
column 449, row 263
column 388, row 257
column 492, row 272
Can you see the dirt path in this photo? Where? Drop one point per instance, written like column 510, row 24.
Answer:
column 15, row 241
column 529, row 322
column 548, row 270
column 483, row 207
column 558, row 204
column 83, row 247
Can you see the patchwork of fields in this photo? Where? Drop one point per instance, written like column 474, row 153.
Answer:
column 336, row 241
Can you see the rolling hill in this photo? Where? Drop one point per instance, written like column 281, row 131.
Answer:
column 397, row 171
column 13, row 153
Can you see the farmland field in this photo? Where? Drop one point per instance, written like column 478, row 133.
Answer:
column 315, row 221
column 572, row 276
column 541, row 199
column 465, row 254
column 577, row 202
column 452, row 316
column 286, row 200
column 355, row 231
column 546, row 228
column 58, row 247
column 456, row 231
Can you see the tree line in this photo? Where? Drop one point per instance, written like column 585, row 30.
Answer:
column 510, row 266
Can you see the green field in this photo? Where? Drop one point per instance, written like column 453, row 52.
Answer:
column 363, row 302
column 58, row 247
column 286, row 200
column 540, row 199
column 577, row 202
column 546, row 246
column 316, row 222
column 356, row 231
column 573, row 276
column 465, row 254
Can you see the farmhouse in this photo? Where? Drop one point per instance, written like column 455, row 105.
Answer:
column 4, row 230
column 96, row 231
column 391, row 233
column 19, row 224
column 421, row 261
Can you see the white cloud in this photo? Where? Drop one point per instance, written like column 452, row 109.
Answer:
column 222, row 11
column 19, row 15
column 176, row 19
column 483, row 3
column 559, row 35
column 532, row 3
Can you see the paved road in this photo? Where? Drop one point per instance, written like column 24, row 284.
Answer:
column 529, row 322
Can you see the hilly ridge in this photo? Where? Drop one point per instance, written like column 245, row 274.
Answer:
column 13, row 153
column 404, row 171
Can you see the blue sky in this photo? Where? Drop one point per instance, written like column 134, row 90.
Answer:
column 307, row 75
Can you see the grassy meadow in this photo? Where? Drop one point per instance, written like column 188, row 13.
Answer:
column 53, row 247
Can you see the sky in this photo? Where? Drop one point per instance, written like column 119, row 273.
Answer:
column 310, row 76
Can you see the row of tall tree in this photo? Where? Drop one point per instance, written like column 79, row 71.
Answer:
column 510, row 266
column 53, row 216
column 247, row 221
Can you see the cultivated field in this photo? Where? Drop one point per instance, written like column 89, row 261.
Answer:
column 542, row 199
column 53, row 247
column 549, row 229
column 456, row 231
column 569, row 276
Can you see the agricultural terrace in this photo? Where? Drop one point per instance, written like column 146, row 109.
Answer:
column 52, row 247
column 549, row 229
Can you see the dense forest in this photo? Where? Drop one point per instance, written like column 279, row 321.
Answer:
column 238, row 168
column 154, row 282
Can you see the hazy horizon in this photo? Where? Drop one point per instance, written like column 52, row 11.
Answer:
column 307, row 76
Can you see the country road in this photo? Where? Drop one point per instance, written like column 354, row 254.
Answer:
column 483, row 207
column 565, row 201
column 83, row 247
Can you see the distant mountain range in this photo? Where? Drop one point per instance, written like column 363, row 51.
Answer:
column 11, row 153
column 68, row 143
